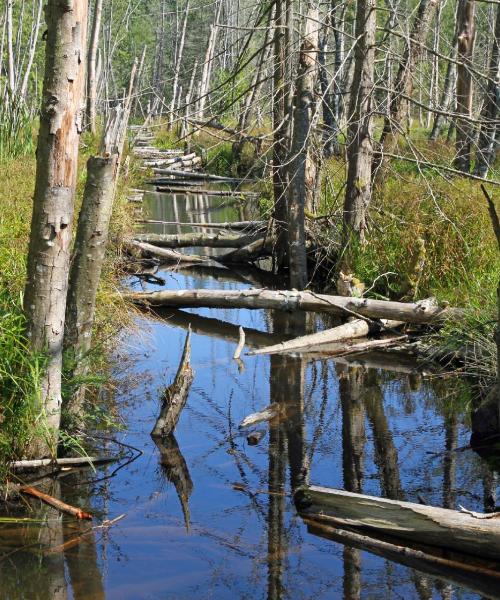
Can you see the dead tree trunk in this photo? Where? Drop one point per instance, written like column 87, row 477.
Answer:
column 90, row 247
column 177, row 68
column 281, row 126
column 359, row 133
column 91, row 67
column 32, row 50
column 393, row 122
column 11, row 76
column 466, row 35
column 487, row 138
column 301, row 153
column 206, row 72
column 50, row 238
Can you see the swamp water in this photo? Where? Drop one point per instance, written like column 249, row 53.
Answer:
column 210, row 516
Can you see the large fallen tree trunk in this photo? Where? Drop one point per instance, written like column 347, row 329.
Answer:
column 250, row 225
column 308, row 343
column 293, row 300
column 222, row 239
column 441, row 527
column 253, row 251
column 175, row 396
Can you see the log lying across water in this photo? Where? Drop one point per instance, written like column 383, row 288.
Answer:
column 173, row 189
column 164, row 255
column 250, row 225
column 294, row 300
column 440, row 527
column 222, row 239
column 204, row 176
column 309, row 343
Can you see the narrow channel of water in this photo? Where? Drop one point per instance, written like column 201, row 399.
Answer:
column 209, row 515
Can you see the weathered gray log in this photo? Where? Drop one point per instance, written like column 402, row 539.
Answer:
column 175, row 396
column 430, row 525
column 24, row 465
column 205, row 176
column 293, row 300
column 163, row 254
column 310, row 343
column 479, row 576
column 167, row 189
column 349, row 347
column 267, row 414
column 222, row 239
column 250, row 225
column 251, row 252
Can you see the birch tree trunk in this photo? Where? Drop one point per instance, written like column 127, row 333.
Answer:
column 50, row 238
column 91, row 68
column 301, row 153
column 90, row 247
column 206, row 72
column 466, row 35
column 33, row 44
column 177, row 68
column 393, row 122
column 487, row 138
column 359, row 132
column 11, row 77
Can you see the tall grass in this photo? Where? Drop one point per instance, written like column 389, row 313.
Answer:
column 16, row 129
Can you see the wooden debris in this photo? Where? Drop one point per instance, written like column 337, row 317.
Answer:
column 221, row 239
column 430, row 525
column 55, row 503
column 312, row 342
column 175, row 396
column 163, row 254
column 267, row 414
column 24, row 465
column 241, row 344
column 294, row 300
column 250, row 225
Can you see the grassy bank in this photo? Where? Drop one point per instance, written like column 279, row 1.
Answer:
column 21, row 417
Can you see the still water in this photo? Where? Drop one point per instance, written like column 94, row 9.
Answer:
column 208, row 515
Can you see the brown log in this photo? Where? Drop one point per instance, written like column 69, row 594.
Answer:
column 314, row 341
column 175, row 396
column 293, row 300
column 54, row 502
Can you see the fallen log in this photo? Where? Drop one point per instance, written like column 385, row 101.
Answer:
column 250, row 253
column 171, row 160
column 269, row 413
column 250, row 225
column 241, row 344
column 478, row 576
column 24, row 465
column 222, row 239
column 167, row 189
column 308, row 343
column 178, row 183
column 390, row 361
column 163, row 254
column 351, row 348
column 205, row 176
column 440, row 527
column 175, row 396
column 55, row 503
column 294, row 300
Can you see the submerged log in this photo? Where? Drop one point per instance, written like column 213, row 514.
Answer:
column 294, row 300
column 222, row 239
column 55, row 503
column 269, row 413
column 430, row 525
column 310, row 343
column 479, row 576
column 57, row 463
column 175, row 396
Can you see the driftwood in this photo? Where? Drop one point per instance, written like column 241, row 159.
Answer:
column 309, row 343
column 294, row 300
column 267, row 414
column 55, row 503
column 241, row 344
column 476, row 575
column 349, row 347
column 430, row 525
column 57, row 463
column 222, row 239
column 163, row 254
column 175, row 396
column 204, row 176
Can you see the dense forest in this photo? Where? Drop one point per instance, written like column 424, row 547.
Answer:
column 312, row 188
